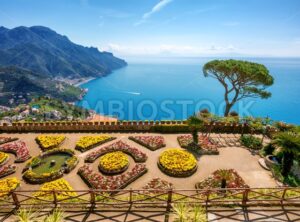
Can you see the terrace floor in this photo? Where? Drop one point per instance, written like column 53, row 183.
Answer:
column 231, row 156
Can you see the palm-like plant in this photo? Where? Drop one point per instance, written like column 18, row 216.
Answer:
column 26, row 215
column 56, row 216
column 225, row 176
column 181, row 211
column 195, row 124
column 290, row 145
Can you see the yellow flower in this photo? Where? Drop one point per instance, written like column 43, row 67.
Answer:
column 177, row 160
column 7, row 185
column 60, row 184
column 3, row 157
column 50, row 141
column 113, row 161
column 85, row 142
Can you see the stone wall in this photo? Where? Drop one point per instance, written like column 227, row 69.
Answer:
column 121, row 126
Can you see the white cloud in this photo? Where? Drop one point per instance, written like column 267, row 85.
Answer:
column 168, row 49
column 159, row 6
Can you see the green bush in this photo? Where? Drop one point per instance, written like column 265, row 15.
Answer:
column 251, row 142
column 290, row 179
column 268, row 149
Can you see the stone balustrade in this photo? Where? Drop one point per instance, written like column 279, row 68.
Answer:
column 164, row 126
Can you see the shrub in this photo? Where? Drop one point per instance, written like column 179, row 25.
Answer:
column 233, row 114
column 251, row 142
column 268, row 149
column 282, row 126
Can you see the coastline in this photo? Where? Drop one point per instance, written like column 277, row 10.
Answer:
column 86, row 80
column 97, row 117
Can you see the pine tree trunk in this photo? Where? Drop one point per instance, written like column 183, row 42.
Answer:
column 227, row 109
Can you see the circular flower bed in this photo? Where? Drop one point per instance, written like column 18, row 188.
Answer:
column 177, row 163
column 50, row 165
column 113, row 163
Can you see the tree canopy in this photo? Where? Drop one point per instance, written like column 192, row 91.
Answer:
column 240, row 79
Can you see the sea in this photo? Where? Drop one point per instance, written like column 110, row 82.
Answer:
column 175, row 88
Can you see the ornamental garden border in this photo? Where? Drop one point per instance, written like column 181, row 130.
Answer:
column 133, row 138
column 6, row 170
column 117, row 146
column 4, row 140
column 114, row 185
column 178, row 175
column 18, row 148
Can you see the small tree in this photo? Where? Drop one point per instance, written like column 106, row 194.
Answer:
column 195, row 123
column 290, row 145
column 240, row 79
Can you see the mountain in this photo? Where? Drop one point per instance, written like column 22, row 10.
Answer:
column 19, row 86
column 44, row 51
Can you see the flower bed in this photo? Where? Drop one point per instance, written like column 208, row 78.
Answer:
column 60, row 184
column 7, row 185
column 7, row 170
column 6, row 139
column 157, row 184
column 207, row 146
column 18, row 148
column 3, row 158
column 136, row 154
column 113, row 163
column 150, row 142
column 97, row 181
column 37, row 178
column 88, row 142
column 234, row 180
column 47, row 142
column 177, row 163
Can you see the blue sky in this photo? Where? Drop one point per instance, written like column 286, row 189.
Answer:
column 167, row 27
